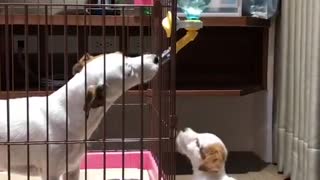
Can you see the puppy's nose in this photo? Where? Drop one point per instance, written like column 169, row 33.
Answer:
column 156, row 60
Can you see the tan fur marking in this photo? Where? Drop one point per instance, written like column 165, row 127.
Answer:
column 94, row 98
column 214, row 157
column 86, row 58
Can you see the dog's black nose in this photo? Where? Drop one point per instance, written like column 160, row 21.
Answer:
column 156, row 60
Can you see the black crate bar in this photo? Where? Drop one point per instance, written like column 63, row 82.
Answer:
column 46, row 42
column 104, row 89
column 51, row 50
column 7, row 88
column 85, row 86
column 141, row 89
column 172, row 102
column 123, row 99
column 66, row 78
column 12, row 61
column 38, row 49
column 26, row 56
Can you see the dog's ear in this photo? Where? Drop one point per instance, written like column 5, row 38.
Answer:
column 76, row 68
column 213, row 158
column 80, row 64
column 95, row 97
column 86, row 57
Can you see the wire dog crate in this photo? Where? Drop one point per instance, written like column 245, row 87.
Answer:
column 40, row 42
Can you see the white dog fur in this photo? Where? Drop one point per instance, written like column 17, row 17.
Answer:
column 206, row 152
column 58, row 109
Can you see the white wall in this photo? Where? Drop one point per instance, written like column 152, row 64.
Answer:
column 230, row 118
column 241, row 122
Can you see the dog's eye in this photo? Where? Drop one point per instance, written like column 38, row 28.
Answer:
column 128, row 70
column 198, row 143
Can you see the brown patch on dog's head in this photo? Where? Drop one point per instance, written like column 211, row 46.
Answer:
column 86, row 58
column 213, row 158
column 95, row 98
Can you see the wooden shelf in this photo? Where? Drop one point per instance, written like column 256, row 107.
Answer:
column 20, row 94
column 96, row 20
column 148, row 93
column 219, row 92
column 77, row 20
column 235, row 22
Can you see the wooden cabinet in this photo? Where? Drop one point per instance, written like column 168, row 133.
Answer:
column 228, row 58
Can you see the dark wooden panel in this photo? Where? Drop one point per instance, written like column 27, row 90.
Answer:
column 223, row 58
column 21, row 94
column 111, row 20
column 222, row 61
column 77, row 20
column 235, row 22
column 232, row 91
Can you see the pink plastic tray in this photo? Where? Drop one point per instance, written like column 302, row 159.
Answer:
column 143, row 2
column 114, row 160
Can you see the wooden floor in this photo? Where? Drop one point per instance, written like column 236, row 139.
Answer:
column 269, row 173
column 92, row 174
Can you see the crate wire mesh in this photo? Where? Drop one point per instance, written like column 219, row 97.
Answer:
column 40, row 41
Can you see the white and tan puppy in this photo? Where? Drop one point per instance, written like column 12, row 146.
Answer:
column 206, row 152
column 66, row 116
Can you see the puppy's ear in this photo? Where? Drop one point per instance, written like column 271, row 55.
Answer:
column 214, row 158
column 95, row 97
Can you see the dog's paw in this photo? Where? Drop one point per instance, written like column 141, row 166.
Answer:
column 99, row 98
column 95, row 97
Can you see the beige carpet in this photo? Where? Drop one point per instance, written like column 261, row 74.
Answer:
column 269, row 173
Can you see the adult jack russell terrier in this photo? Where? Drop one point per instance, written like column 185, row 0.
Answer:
column 74, row 110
